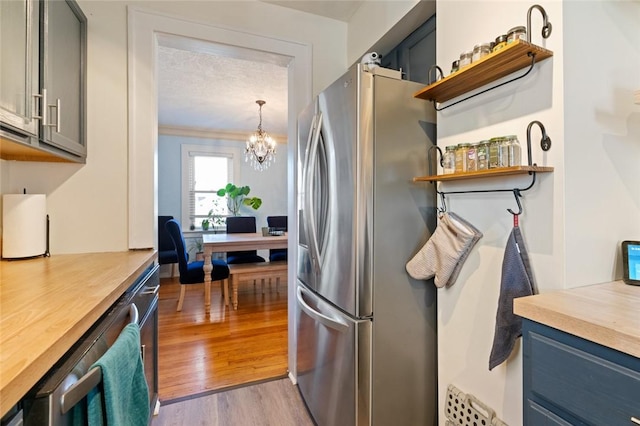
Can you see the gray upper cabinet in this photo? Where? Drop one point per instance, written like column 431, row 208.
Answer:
column 43, row 92
column 63, row 55
column 415, row 54
column 19, row 59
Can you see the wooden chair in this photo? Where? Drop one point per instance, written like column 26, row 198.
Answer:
column 193, row 272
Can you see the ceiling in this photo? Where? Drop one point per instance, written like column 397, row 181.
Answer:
column 213, row 88
column 342, row 10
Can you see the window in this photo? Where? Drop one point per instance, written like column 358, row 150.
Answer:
column 204, row 171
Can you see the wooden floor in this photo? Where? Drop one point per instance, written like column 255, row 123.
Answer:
column 199, row 354
column 274, row 403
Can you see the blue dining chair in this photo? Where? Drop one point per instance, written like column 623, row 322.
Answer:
column 278, row 223
column 167, row 254
column 193, row 272
column 239, row 225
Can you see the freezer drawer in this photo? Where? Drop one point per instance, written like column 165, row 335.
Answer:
column 334, row 362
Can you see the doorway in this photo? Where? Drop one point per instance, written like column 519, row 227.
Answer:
column 206, row 110
column 144, row 28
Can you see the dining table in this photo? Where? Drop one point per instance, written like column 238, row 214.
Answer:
column 222, row 243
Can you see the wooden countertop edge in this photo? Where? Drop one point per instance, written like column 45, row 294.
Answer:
column 25, row 379
column 600, row 329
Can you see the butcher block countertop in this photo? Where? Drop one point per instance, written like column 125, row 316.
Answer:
column 47, row 304
column 608, row 314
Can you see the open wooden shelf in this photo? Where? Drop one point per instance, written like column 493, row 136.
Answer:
column 504, row 171
column 513, row 57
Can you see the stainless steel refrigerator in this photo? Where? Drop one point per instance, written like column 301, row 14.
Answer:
column 366, row 331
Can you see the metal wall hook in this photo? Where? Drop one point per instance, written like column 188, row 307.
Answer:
column 517, row 195
column 545, row 142
column 546, row 25
column 436, row 68
column 441, row 161
column 443, row 203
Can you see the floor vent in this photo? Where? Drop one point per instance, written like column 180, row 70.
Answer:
column 466, row 410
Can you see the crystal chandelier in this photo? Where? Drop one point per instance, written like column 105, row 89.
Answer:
column 261, row 148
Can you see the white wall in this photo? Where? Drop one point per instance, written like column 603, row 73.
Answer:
column 584, row 101
column 88, row 203
column 602, row 137
column 372, row 21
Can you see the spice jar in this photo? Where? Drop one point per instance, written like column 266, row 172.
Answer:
column 472, row 158
column 449, row 160
column 480, row 51
column 455, row 66
column 494, row 147
column 482, row 155
column 461, row 157
column 515, row 158
column 517, row 33
column 465, row 59
column 503, row 152
column 501, row 41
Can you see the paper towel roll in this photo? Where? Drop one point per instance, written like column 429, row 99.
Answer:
column 24, row 225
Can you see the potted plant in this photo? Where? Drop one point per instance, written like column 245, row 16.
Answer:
column 197, row 246
column 238, row 196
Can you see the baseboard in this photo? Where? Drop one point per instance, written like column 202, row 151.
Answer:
column 293, row 378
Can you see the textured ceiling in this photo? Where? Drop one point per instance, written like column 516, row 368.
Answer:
column 202, row 90
column 209, row 87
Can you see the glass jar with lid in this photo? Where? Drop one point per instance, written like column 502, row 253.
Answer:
column 515, row 157
column 472, row 158
column 517, row 33
column 482, row 155
column 494, row 146
column 449, row 160
column 480, row 51
column 503, row 152
column 461, row 157
column 455, row 66
column 501, row 41
column 465, row 59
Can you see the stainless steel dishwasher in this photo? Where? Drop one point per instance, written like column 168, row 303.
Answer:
column 51, row 400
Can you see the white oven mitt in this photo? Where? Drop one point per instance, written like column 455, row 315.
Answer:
column 445, row 252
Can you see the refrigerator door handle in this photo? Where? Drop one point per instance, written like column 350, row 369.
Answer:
column 310, row 220
column 305, row 178
column 334, row 323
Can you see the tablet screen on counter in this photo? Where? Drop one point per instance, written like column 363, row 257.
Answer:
column 631, row 262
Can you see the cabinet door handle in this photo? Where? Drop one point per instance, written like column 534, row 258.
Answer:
column 43, row 110
column 37, row 100
column 151, row 290
column 56, row 125
column 635, row 420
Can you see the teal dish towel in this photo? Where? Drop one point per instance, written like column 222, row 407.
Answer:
column 123, row 398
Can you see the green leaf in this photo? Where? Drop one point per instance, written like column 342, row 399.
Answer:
column 253, row 202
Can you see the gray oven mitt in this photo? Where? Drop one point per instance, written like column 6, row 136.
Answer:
column 445, row 252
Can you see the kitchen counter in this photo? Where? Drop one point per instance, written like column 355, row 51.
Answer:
column 607, row 314
column 47, row 304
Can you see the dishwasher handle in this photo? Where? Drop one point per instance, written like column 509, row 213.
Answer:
column 91, row 379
